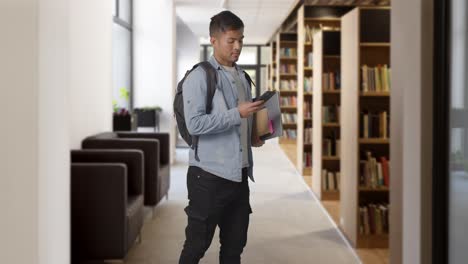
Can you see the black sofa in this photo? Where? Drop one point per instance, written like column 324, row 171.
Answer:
column 106, row 203
column 156, row 149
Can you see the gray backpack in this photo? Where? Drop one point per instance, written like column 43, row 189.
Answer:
column 211, row 77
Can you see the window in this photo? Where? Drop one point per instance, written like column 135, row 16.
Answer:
column 122, row 53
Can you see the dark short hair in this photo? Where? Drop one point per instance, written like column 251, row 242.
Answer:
column 224, row 21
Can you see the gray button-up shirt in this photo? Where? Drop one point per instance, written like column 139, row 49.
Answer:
column 219, row 146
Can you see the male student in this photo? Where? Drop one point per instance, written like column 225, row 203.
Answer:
column 217, row 183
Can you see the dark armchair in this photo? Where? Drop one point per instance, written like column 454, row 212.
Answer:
column 156, row 149
column 106, row 202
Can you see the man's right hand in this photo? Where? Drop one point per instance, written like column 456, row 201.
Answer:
column 247, row 108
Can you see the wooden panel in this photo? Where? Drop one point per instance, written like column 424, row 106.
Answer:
column 325, row 11
column 331, row 42
column 372, row 241
column 349, row 124
column 300, row 92
column 375, row 25
column 330, row 195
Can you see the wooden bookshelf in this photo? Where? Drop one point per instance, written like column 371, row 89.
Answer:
column 309, row 20
column 286, row 57
column 365, row 41
column 326, row 124
column 272, row 74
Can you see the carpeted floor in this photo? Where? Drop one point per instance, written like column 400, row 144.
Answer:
column 288, row 225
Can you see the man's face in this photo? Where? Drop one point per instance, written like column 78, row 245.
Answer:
column 228, row 46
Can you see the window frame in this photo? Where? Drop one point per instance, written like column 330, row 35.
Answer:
column 128, row 26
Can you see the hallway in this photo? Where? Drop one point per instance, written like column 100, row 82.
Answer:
column 288, row 225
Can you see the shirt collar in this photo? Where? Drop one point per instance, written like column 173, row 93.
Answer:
column 215, row 63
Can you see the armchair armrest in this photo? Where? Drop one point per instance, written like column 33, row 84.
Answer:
column 164, row 142
column 98, row 208
column 132, row 158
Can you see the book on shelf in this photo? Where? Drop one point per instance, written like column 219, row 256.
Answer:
column 374, row 174
column 289, row 118
column 288, row 85
column 307, row 110
column 288, row 69
column 330, row 147
column 309, row 33
column 308, row 135
column 331, row 81
column 310, row 59
column 330, row 180
column 308, row 82
column 307, row 159
column 374, row 124
column 375, row 79
column 288, row 52
column 331, row 114
column 373, row 219
column 288, row 101
column 289, row 134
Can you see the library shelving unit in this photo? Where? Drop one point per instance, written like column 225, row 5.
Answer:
column 326, row 114
column 272, row 68
column 365, row 149
column 286, row 72
column 310, row 18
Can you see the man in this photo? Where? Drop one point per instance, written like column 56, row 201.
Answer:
column 217, row 184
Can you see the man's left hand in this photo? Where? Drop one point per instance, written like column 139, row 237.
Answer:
column 258, row 143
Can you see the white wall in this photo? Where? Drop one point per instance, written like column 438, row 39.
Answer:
column 56, row 86
column 188, row 49
column 411, row 131
column 154, row 59
column 90, row 68
column 18, row 132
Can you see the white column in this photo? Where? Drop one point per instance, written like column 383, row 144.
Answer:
column 56, row 87
column 411, row 131
column 19, row 242
column 155, row 59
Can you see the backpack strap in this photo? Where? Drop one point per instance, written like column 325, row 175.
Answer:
column 211, row 80
column 247, row 76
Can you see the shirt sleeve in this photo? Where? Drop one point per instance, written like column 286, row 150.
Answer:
column 197, row 120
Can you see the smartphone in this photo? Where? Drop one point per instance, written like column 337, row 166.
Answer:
column 265, row 96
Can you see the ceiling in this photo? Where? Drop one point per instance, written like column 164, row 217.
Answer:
column 261, row 17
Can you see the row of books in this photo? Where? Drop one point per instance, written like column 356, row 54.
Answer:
column 308, row 82
column 288, row 85
column 310, row 60
column 374, row 124
column 288, row 100
column 374, row 173
column 373, row 219
column 331, row 114
column 289, row 134
column 288, row 118
column 288, row 52
column 309, row 33
column 307, row 159
column 308, row 135
column 307, row 109
column 331, row 147
column 288, row 69
column 375, row 79
column 331, row 81
column 330, row 180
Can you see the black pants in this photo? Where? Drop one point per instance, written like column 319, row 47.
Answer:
column 214, row 201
